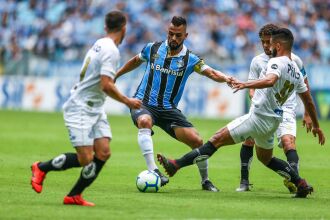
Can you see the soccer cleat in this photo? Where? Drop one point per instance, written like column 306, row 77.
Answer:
column 290, row 185
column 38, row 176
column 163, row 179
column 169, row 165
column 244, row 186
column 208, row 186
column 303, row 189
column 76, row 200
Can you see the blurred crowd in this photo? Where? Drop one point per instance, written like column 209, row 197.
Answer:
column 223, row 32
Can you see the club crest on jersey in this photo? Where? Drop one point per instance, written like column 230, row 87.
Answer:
column 274, row 66
column 180, row 63
column 155, row 56
column 97, row 48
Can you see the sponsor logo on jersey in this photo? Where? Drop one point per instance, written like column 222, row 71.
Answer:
column 274, row 66
column 158, row 67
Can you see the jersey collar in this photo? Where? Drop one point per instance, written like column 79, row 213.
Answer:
column 182, row 52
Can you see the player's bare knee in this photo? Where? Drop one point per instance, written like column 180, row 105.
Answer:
column 249, row 142
column 196, row 142
column 85, row 159
column 103, row 155
column 264, row 159
column 144, row 122
column 288, row 143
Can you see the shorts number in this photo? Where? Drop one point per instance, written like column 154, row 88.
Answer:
column 84, row 69
column 283, row 95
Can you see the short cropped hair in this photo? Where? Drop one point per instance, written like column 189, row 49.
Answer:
column 115, row 20
column 178, row 20
column 284, row 35
column 267, row 30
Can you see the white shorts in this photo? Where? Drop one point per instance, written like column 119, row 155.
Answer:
column 260, row 128
column 287, row 126
column 85, row 125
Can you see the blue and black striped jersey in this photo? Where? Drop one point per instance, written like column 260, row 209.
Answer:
column 165, row 76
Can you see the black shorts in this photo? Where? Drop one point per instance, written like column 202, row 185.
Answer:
column 166, row 119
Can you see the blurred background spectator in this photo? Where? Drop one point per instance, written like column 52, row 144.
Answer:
column 47, row 38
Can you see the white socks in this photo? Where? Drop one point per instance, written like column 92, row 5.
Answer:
column 147, row 148
column 203, row 169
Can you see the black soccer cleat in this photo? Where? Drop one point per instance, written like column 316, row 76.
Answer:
column 303, row 189
column 163, row 179
column 169, row 165
column 208, row 186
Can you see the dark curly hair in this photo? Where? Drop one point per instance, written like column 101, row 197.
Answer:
column 267, row 30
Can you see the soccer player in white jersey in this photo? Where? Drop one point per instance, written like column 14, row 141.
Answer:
column 286, row 132
column 282, row 78
column 84, row 113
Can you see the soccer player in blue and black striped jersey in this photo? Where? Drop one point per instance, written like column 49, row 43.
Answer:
column 169, row 64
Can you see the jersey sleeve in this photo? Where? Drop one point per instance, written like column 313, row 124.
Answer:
column 144, row 55
column 301, row 87
column 254, row 73
column 274, row 67
column 109, row 63
column 300, row 65
column 200, row 66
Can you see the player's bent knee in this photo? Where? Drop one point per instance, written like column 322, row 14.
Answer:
column 288, row 143
column 264, row 159
column 196, row 142
column 103, row 155
column 144, row 122
column 85, row 159
column 249, row 142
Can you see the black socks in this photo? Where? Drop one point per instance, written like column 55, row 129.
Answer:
column 61, row 162
column 246, row 155
column 284, row 169
column 293, row 159
column 198, row 154
column 87, row 176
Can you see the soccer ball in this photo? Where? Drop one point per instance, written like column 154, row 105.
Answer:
column 148, row 181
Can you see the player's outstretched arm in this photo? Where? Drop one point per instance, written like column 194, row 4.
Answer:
column 217, row 76
column 129, row 66
column 311, row 110
column 108, row 86
column 266, row 82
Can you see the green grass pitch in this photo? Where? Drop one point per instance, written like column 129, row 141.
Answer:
column 29, row 136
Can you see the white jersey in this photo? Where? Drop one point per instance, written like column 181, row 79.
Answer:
column 269, row 101
column 258, row 69
column 102, row 59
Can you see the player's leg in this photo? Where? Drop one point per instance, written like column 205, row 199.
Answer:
column 100, row 136
column 73, row 118
column 221, row 138
column 286, row 134
column 246, row 156
column 190, row 137
column 265, row 155
column 143, row 119
column 90, row 171
column 235, row 132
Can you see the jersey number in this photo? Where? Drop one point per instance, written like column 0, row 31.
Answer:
column 283, row 95
column 84, row 69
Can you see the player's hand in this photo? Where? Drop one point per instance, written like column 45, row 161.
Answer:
column 230, row 81
column 238, row 86
column 307, row 122
column 319, row 133
column 134, row 103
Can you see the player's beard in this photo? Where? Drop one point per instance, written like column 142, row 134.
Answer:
column 274, row 52
column 172, row 47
